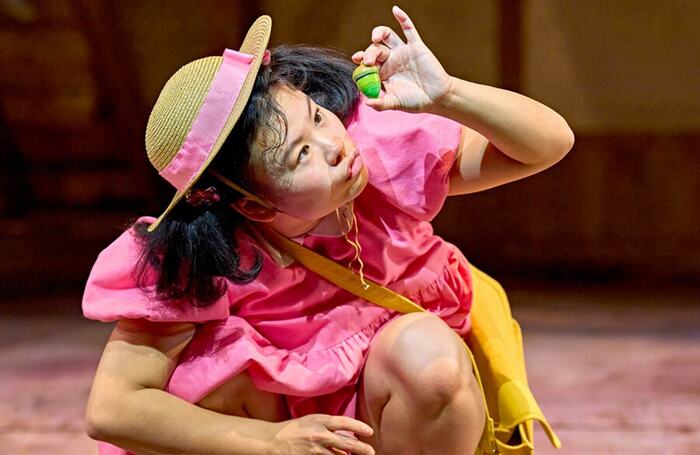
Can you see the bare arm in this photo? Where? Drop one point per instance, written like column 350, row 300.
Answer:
column 507, row 136
column 128, row 406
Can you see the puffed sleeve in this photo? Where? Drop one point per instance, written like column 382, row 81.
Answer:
column 409, row 156
column 111, row 291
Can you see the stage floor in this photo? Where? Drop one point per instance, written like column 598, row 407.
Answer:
column 616, row 370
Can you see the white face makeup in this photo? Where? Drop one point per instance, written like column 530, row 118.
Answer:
column 317, row 169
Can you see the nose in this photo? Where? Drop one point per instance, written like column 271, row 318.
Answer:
column 335, row 151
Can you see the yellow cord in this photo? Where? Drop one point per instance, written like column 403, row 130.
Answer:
column 356, row 245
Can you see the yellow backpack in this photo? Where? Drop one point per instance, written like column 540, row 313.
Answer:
column 496, row 349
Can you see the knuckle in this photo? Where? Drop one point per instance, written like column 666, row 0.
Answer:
column 317, row 419
column 315, row 437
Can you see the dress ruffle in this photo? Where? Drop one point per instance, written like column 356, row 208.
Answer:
column 222, row 350
column 449, row 296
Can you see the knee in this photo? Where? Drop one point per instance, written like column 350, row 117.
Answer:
column 428, row 361
column 437, row 385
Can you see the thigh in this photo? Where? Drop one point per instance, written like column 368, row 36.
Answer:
column 238, row 396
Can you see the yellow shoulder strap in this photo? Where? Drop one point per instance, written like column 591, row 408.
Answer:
column 341, row 276
column 374, row 293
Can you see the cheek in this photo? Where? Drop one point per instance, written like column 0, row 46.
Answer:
column 310, row 194
column 313, row 180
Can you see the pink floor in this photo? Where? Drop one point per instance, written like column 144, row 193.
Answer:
column 616, row 371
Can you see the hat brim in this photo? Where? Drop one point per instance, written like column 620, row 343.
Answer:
column 255, row 43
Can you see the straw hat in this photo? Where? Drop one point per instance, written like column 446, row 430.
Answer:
column 197, row 109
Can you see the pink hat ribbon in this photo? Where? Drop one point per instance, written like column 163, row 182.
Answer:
column 210, row 119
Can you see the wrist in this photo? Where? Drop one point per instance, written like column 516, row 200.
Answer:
column 444, row 102
column 255, row 436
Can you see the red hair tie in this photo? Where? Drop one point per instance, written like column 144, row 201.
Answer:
column 207, row 197
column 266, row 57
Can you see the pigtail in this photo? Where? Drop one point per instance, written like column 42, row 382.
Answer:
column 192, row 250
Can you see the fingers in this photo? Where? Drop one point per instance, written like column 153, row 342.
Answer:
column 347, row 443
column 375, row 54
column 384, row 34
column 409, row 30
column 344, row 445
column 338, row 423
column 357, row 57
column 388, row 101
column 384, row 39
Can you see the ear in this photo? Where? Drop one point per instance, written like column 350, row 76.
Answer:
column 253, row 210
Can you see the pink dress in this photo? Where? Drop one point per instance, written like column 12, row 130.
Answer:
column 295, row 333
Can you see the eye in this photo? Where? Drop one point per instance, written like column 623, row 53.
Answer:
column 302, row 154
column 317, row 117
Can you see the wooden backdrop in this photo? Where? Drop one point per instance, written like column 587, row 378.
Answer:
column 78, row 78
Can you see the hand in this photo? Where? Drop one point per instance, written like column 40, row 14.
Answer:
column 413, row 79
column 316, row 434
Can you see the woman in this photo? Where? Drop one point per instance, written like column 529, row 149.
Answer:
column 225, row 345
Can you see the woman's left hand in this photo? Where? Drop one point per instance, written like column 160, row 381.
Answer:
column 413, row 79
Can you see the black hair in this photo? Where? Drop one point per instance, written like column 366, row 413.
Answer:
column 195, row 250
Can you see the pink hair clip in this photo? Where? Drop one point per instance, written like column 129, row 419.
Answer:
column 266, row 57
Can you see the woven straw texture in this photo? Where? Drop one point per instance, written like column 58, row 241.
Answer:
column 176, row 108
column 181, row 99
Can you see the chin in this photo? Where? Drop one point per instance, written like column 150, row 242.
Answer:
column 357, row 186
column 361, row 181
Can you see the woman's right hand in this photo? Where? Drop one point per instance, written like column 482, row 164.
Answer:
column 316, row 434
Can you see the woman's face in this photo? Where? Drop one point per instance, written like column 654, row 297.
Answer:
column 317, row 169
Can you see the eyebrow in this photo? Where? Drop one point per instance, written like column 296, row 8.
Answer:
column 296, row 140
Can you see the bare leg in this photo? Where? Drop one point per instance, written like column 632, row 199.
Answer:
column 238, row 396
column 418, row 391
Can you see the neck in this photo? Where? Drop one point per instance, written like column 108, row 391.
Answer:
column 331, row 225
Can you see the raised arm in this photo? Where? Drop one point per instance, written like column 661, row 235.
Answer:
column 507, row 136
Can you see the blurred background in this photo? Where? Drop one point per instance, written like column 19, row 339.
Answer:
column 600, row 254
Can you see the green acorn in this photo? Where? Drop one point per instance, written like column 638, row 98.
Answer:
column 367, row 79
